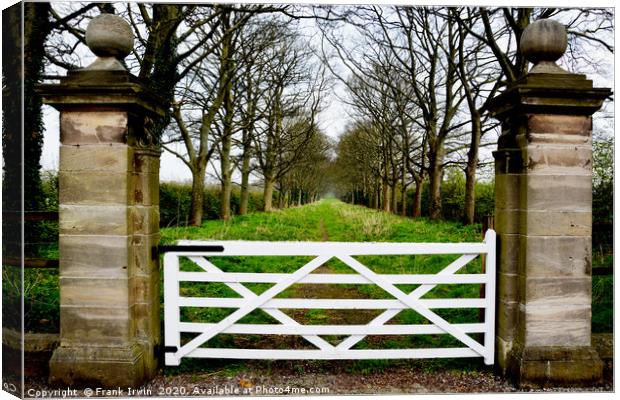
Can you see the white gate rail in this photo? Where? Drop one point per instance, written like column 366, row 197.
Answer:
column 194, row 251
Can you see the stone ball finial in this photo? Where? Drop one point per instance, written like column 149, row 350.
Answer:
column 544, row 41
column 109, row 35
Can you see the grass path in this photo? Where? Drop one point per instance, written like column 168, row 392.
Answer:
column 325, row 220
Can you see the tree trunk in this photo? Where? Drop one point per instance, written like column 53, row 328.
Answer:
column 394, row 191
column 434, row 189
column 268, row 193
column 225, row 165
column 227, row 69
column 386, row 196
column 470, row 170
column 244, row 196
column 279, row 199
column 226, row 182
column 403, row 199
column 403, row 186
column 198, row 192
column 283, row 199
column 417, row 199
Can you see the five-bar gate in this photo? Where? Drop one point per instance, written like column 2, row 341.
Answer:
column 199, row 252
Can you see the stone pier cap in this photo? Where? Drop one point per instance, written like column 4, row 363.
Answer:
column 106, row 82
column 547, row 88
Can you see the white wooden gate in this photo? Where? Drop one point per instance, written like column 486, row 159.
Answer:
column 199, row 251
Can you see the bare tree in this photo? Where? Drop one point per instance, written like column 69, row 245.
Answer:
column 292, row 100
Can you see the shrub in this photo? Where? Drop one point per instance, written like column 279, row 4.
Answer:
column 175, row 201
column 453, row 198
column 603, row 195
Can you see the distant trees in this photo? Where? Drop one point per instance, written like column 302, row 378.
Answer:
column 292, row 96
column 435, row 69
column 411, row 71
column 250, row 108
column 253, row 106
column 306, row 180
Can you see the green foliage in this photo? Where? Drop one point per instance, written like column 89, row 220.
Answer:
column 41, row 295
column 603, row 195
column 603, row 181
column 603, row 165
column 485, row 200
column 453, row 197
column 174, row 203
column 49, row 186
column 175, row 200
column 602, row 303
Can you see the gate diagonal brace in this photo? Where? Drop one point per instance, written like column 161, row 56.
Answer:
column 387, row 315
column 413, row 304
column 208, row 266
column 251, row 305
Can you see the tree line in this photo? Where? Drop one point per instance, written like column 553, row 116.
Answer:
column 244, row 85
column 240, row 85
column 418, row 81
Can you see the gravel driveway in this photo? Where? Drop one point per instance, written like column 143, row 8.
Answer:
column 299, row 378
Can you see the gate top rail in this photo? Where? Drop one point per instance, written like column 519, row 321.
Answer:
column 266, row 248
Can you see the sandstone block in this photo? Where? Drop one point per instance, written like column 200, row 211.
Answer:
column 144, row 219
column 90, row 366
column 146, row 162
column 556, row 223
column 556, row 256
column 564, row 124
column 535, row 367
column 96, row 326
column 142, row 315
column 507, row 319
column 552, row 138
column 145, row 189
column 508, row 251
column 89, row 292
column 94, row 188
column 96, row 157
column 507, row 188
column 508, row 161
column 95, row 256
column 585, row 372
column 507, row 287
column 556, row 313
column 557, row 333
column 96, row 126
column 507, row 221
column 145, row 256
column 144, row 287
column 93, row 220
column 549, row 291
column 558, row 159
column 556, row 193
column 502, row 351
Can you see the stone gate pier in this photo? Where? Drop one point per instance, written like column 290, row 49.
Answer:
column 108, row 218
column 543, row 200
